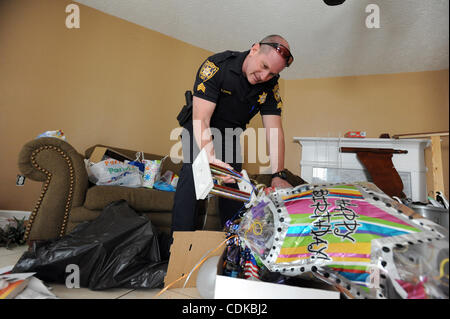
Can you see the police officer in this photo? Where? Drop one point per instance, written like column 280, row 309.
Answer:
column 230, row 88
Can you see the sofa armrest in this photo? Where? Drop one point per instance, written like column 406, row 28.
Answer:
column 62, row 171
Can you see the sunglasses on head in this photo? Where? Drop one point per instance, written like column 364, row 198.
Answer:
column 282, row 50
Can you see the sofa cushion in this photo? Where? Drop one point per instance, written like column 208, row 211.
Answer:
column 140, row 199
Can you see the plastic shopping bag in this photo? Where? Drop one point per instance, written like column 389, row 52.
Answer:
column 138, row 162
column 163, row 186
column 152, row 172
column 114, row 172
column 57, row 134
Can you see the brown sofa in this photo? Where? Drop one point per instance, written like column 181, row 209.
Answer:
column 68, row 198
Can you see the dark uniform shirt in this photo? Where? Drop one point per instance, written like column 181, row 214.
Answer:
column 220, row 80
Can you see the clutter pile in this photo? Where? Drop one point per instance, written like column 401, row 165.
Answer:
column 108, row 167
column 351, row 236
column 140, row 172
column 12, row 232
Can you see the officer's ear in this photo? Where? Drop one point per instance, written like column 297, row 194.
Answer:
column 255, row 48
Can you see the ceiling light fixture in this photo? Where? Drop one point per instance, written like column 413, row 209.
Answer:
column 334, row 2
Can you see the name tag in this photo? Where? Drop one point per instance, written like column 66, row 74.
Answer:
column 225, row 91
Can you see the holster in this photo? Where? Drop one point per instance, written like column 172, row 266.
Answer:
column 186, row 112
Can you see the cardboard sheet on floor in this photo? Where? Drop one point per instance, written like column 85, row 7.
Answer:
column 187, row 250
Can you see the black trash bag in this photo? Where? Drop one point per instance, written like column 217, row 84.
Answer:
column 118, row 249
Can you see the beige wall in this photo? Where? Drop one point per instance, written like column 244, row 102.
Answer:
column 117, row 83
column 109, row 82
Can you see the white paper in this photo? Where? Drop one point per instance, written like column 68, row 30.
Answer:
column 236, row 288
column 36, row 290
column 6, row 269
column 16, row 276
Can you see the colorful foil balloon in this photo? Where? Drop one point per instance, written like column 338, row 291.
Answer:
column 349, row 235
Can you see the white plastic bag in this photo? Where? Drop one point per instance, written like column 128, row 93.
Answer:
column 152, row 172
column 57, row 134
column 114, row 172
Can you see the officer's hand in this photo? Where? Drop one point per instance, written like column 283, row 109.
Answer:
column 217, row 162
column 278, row 182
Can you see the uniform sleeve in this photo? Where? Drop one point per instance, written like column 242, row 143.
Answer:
column 207, row 84
column 273, row 103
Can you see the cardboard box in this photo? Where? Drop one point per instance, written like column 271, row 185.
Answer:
column 189, row 248
column 99, row 152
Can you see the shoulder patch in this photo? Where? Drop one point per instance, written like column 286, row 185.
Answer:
column 277, row 95
column 208, row 70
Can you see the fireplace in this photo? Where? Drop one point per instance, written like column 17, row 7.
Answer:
column 322, row 162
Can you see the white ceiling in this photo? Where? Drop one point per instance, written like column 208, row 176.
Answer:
column 326, row 41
